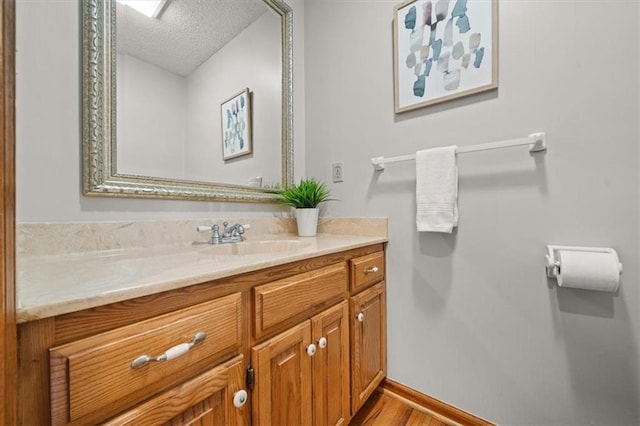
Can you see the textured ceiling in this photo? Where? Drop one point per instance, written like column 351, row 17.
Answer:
column 187, row 33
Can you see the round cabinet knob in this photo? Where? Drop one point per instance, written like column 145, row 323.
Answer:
column 360, row 317
column 322, row 342
column 311, row 350
column 240, row 398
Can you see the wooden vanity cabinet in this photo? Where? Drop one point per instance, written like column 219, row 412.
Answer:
column 95, row 377
column 368, row 344
column 76, row 367
column 282, row 393
column 299, row 385
column 331, row 375
column 302, row 375
column 368, row 338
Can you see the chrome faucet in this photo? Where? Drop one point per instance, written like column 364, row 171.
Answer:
column 233, row 233
column 230, row 234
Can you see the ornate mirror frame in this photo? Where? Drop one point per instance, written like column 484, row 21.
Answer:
column 100, row 177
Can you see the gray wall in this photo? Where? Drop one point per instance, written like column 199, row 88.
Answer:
column 49, row 185
column 472, row 318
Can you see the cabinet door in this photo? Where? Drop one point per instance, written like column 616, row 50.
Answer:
column 368, row 343
column 282, row 392
column 204, row 400
column 331, row 366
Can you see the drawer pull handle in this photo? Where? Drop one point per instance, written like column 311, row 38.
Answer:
column 360, row 317
column 372, row 270
column 171, row 353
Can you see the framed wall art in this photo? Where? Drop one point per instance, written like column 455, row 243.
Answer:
column 443, row 50
column 236, row 125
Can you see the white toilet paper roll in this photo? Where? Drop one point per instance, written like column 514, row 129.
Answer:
column 589, row 270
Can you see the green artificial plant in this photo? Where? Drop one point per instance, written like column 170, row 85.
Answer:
column 305, row 195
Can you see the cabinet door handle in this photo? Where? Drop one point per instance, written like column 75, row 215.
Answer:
column 322, row 342
column 360, row 317
column 240, row 398
column 311, row 349
column 371, row 270
column 171, row 353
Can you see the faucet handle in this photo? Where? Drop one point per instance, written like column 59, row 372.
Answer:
column 241, row 228
column 215, row 236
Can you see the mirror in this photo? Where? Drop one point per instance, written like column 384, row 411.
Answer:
column 139, row 144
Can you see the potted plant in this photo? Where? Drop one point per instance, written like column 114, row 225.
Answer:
column 305, row 197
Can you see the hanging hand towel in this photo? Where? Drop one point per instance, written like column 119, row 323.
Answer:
column 437, row 189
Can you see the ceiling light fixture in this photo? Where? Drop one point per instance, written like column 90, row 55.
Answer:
column 150, row 8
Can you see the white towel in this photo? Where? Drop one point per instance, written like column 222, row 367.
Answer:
column 437, row 189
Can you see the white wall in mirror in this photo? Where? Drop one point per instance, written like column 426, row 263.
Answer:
column 48, row 114
column 254, row 60
column 169, row 126
column 152, row 119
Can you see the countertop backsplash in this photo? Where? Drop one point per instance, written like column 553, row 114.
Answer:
column 50, row 239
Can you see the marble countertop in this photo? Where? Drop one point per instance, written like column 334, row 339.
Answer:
column 50, row 285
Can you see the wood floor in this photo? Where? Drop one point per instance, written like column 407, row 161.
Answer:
column 383, row 409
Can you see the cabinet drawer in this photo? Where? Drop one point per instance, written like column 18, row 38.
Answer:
column 93, row 377
column 290, row 300
column 366, row 270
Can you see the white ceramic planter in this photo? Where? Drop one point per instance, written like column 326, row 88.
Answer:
column 307, row 220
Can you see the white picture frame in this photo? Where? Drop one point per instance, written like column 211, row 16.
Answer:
column 443, row 50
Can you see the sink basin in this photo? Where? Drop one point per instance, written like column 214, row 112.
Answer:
column 257, row 247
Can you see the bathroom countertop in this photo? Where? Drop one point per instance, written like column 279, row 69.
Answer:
column 50, row 285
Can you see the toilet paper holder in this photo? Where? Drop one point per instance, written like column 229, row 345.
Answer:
column 554, row 265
